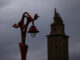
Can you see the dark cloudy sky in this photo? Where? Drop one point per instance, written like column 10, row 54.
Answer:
column 11, row 12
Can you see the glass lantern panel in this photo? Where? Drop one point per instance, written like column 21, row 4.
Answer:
column 33, row 35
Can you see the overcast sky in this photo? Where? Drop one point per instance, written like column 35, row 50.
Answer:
column 11, row 12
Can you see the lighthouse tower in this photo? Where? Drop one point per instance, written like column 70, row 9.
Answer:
column 57, row 40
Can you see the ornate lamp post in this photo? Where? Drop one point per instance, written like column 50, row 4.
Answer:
column 23, row 27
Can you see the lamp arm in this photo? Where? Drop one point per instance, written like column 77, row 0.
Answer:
column 29, row 15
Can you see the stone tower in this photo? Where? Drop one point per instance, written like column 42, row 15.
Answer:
column 57, row 40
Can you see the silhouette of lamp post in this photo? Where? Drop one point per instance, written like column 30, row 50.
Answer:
column 23, row 27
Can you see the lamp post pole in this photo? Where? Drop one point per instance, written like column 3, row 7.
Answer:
column 23, row 28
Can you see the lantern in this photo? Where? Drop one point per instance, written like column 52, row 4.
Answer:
column 33, row 30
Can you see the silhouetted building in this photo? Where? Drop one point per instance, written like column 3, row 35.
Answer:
column 57, row 40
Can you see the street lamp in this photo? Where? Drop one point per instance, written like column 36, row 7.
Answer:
column 23, row 27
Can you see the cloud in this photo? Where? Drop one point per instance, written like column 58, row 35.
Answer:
column 37, row 55
column 11, row 12
column 4, row 3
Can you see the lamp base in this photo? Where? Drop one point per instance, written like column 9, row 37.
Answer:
column 23, row 50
